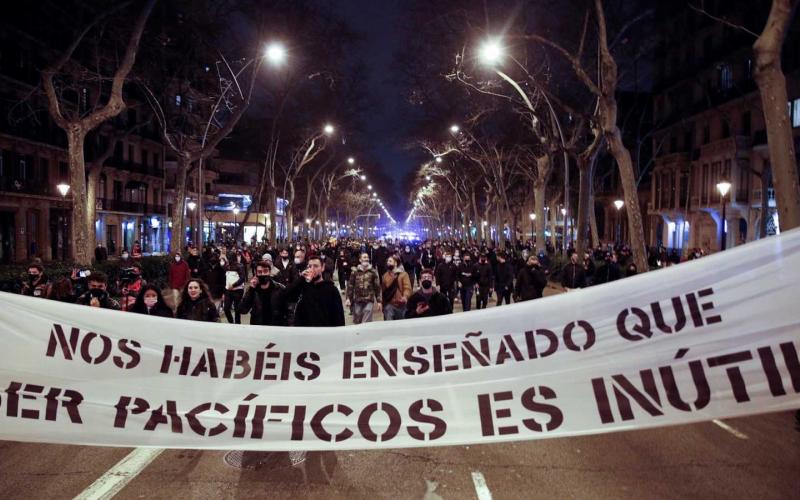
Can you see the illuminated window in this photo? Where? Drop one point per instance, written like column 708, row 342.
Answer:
column 796, row 114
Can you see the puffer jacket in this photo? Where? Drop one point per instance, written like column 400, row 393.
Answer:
column 364, row 285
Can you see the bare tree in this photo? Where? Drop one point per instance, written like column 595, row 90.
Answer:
column 67, row 74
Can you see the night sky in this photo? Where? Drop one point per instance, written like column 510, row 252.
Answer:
column 377, row 23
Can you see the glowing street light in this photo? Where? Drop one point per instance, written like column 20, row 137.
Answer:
column 723, row 187
column 491, row 52
column 329, row 129
column 191, row 205
column 438, row 159
column 427, row 177
column 454, row 129
column 369, row 187
column 619, row 204
column 363, row 177
column 63, row 188
column 275, row 54
column 351, row 160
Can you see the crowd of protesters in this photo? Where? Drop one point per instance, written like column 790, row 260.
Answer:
column 296, row 284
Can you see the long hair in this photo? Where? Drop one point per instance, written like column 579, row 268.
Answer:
column 185, row 299
column 139, row 306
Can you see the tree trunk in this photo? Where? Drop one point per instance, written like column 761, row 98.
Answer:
column 476, row 216
column 81, row 252
column 553, row 224
column 541, row 221
column 593, row 221
column 584, row 188
column 92, row 181
column 766, row 179
column 177, row 234
column 772, row 86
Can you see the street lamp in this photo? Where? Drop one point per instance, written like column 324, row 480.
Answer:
column 63, row 188
column 619, row 204
column 328, row 129
column 438, row 159
column 351, row 161
column 454, row 129
column 275, row 54
column 533, row 220
column 235, row 214
column 363, row 177
column 724, row 187
column 491, row 54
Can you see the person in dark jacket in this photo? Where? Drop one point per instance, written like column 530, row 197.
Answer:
column 263, row 298
column 234, row 288
column 588, row 267
column 151, row 302
column 318, row 301
column 531, row 281
column 196, row 304
column 344, row 266
column 283, row 265
column 573, row 275
column 215, row 278
column 484, row 278
column 446, row 275
column 504, row 279
column 409, row 259
column 466, row 278
column 427, row 301
column 37, row 285
column 609, row 271
column 97, row 295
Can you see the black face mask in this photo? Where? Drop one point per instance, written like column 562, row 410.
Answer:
column 98, row 293
column 263, row 280
column 426, row 284
column 33, row 277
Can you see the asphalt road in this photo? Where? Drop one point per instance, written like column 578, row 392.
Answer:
column 755, row 457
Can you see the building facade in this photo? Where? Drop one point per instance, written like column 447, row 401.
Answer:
column 710, row 128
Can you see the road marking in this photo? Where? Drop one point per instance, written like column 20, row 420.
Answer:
column 112, row 482
column 739, row 434
column 480, row 486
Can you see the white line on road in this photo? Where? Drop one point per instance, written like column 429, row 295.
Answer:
column 739, row 434
column 480, row 486
column 112, row 482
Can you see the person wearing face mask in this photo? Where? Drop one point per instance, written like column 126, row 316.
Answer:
column 234, row 289
column 379, row 257
column 263, row 298
column 344, row 268
column 504, row 279
column 410, row 262
column 151, row 302
column 395, row 290
column 37, row 284
column 179, row 274
column 363, row 290
column 196, row 264
column 283, row 264
column 196, row 304
column 297, row 266
column 97, row 295
column 446, row 274
column 467, row 274
column 214, row 277
column 318, row 302
column 427, row 301
column 484, row 279
column 125, row 259
column 573, row 275
column 531, row 281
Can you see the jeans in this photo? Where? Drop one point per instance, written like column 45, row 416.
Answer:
column 362, row 312
column 232, row 300
column 391, row 313
column 466, row 297
column 482, row 299
column 504, row 294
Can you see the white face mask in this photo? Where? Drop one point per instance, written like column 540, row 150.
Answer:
column 124, row 255
column 448, row 259
column 177, row 258
column 150, row 301
column 298, row 261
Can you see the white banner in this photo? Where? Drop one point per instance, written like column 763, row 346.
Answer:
column 712, row 338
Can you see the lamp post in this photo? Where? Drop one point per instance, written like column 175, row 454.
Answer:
column 63, row 188
column 235, row 224
column 724, row 187
column 491, row 53
column 533, row 221
column 619, row 204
